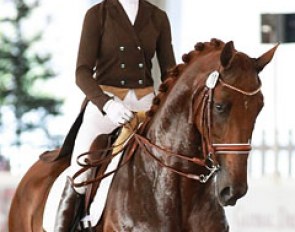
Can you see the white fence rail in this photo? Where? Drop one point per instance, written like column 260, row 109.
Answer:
column 273, row 155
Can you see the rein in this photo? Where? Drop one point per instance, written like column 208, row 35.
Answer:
column 208, row 163
column 88, row 164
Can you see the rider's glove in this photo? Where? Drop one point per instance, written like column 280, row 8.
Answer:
column 117, row 112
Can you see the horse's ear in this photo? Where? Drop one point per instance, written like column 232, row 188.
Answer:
column 264, row 59
column 227, row 54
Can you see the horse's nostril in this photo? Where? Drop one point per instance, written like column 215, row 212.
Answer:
column 229, row 196
column 225, row 193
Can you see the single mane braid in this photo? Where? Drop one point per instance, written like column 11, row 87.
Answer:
column 164, row 88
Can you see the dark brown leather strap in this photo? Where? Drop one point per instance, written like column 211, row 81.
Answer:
column 143, row 141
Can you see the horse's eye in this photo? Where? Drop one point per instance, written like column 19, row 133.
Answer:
column 219, row 108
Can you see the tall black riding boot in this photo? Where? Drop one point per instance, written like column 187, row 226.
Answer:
column 69, row 210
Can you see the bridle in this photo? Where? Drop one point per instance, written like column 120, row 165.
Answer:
column 202, row 100
column 209, row 147
column 210, row 150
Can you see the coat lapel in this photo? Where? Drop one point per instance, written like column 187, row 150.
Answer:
column 143, row 16
column 118, row 14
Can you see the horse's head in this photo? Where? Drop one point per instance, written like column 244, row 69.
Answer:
column 226, row 108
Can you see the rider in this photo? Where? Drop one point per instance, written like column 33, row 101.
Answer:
column 118, row 41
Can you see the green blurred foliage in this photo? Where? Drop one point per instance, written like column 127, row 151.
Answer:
column 23, row 72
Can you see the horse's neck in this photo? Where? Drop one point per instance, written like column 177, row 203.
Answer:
column 171, row 130
column 170, row 127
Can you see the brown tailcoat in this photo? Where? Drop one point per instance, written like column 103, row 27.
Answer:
column 116, row 53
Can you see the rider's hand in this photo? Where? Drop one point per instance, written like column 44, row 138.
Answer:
column 117, row 112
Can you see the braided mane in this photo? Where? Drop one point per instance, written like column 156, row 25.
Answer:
column 172, row 75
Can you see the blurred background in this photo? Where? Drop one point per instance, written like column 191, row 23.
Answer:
column 39, row 99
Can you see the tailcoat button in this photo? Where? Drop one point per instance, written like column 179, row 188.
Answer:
column 122, row 66
column 140, row 82
column 139, row 48
column 122, row 82
column 122, row 48
column 140, row 65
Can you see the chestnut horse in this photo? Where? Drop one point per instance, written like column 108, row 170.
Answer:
column 186, row 162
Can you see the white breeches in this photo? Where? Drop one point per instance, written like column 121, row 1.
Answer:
column 95, row 123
